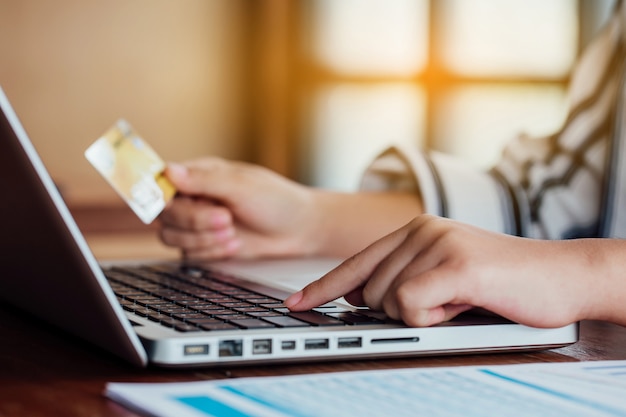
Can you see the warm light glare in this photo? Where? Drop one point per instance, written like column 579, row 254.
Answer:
column 371, row 37
column 352, row 124
column 481, row 40
column 475, row 122
column 509, row 37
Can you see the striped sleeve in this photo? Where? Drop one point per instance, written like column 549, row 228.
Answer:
column 559, row 182
column 549, row 187
column 447, row 187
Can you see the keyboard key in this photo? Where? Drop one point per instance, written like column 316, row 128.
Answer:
column 218, row 326
column 236, row 304
column 231, row 317
column 174, row 310
column 187, row 328
column 286, row 321
column 223, row 312
column 142, row 311
column 128, row 303
column 158, row 317
column 251, row 323
column 204, row 320
column 265, row 313
column 316, row 319
column 187, row 316
column 380, row 315
column 250, row 309
column 355, row 318
column 276, row 305
column 171, row 322
column 263, row 300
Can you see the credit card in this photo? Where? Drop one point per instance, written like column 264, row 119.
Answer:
column 133, row 169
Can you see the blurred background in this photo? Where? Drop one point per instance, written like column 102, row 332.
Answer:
column 313, row 89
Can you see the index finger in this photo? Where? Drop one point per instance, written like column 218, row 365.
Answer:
column 347, row 277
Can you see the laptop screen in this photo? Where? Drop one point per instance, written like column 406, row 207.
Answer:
column 47, row 268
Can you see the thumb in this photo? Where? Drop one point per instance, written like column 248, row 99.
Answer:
column 206, row 178
column 177, row 174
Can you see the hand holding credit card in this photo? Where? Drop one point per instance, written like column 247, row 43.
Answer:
column 133, row 169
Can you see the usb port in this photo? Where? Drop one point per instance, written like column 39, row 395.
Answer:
column 349, row 342
column 261, row 346
column 288, row 345
column 311, row 344
column 196, row 350
column 231, row 348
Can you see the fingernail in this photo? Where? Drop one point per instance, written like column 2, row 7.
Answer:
column 224, row 235
column 232, row 246
column 176, row 170
column 293, row 299
column 222, row 219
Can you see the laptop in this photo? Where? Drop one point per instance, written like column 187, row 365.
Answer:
column 176, row 314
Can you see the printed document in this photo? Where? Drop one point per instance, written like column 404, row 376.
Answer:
column 582, row 389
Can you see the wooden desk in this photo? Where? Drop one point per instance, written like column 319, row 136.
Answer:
column 44, row 372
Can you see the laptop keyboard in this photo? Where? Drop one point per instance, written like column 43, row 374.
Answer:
column 190, row 299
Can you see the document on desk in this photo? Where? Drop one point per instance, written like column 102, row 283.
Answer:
column 548, row 389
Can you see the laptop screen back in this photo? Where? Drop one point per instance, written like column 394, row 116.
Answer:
column 46, row 266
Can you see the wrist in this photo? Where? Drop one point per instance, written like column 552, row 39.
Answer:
column 346, row 223
column 605, row 263
column 327, row 223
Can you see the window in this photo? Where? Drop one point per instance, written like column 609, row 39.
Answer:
column 458, row 76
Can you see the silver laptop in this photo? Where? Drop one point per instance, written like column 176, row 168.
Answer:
column 174, row 314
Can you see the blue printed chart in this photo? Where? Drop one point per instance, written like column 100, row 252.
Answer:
column 562, row 389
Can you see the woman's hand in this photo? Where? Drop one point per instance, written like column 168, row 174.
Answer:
column 225, row 209
column 433, row 269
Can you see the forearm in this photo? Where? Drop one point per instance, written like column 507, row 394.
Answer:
column 348, row 222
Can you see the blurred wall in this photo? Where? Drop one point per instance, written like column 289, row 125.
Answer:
column 171, row 68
